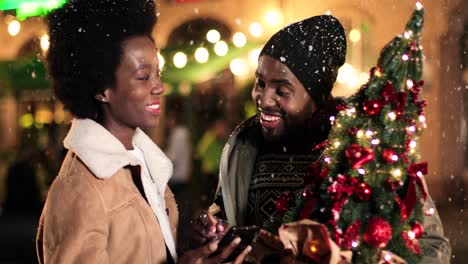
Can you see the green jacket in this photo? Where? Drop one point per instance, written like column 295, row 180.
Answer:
column 236, row 168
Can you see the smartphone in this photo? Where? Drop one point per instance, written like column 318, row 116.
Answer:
column 247, row 235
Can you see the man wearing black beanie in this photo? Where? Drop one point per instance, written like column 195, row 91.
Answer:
column 269, row 153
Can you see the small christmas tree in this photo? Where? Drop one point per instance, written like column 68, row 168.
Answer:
column 368, row 187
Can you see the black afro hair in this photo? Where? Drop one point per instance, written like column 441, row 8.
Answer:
column 86, row 38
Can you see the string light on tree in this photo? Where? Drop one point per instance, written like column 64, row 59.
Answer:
column 392, row 116
column 405, row 57
column 409, row 83
column 397, row 173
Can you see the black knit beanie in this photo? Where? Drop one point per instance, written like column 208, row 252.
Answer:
column 313, row 49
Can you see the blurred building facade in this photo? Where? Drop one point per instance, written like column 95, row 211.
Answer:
column 372, row 24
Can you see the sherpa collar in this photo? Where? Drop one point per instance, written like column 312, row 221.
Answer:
column 104, row 154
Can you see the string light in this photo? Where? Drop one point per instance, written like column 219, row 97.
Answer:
column 405, row 57
column 332, row 118
column 395, row 157
column 409, row 83
column 419, row 6
column 407, row 34
column 273, row 18
column 361, row 171
column 392, row 116
column 326, row 159
column 397, row 173
column 256, row 29
column 411, row 234
column 180, row 59
column 375, row 141
column 45, row 42
column 412, row 144
column 350, row 111
column 369, row 133
column 360, row 134
column 213, row 36
column 239, row 39
column 161, row 60
column 14, row 27
column 422, row 119
column 221, row 48
column 201, row 55
column 354, row 244
column 337, row 144
column 412, row 129
column 388, row 257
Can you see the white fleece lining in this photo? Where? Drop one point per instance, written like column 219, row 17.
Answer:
column 104, row 155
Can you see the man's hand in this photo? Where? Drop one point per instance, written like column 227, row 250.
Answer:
column 206, row 228
column 200, row 255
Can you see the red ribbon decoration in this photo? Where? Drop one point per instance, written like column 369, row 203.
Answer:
column 358, row 155
column 407, row 206
column 397, row 99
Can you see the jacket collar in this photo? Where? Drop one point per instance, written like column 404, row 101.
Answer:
column 104, row 154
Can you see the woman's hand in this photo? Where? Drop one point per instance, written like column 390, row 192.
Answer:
column 206, row 228
column 201, row 255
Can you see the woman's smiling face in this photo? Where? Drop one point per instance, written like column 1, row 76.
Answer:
column 134, row 100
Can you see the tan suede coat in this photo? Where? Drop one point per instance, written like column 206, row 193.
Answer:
column 90, row 219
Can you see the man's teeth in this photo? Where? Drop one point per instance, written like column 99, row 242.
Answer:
column 269, row 118
column 153, row 106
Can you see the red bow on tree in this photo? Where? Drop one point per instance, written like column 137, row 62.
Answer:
column 397, row 99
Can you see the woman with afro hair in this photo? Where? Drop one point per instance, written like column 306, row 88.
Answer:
column 110, row 202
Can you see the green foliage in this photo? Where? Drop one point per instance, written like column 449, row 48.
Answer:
column 393, row 128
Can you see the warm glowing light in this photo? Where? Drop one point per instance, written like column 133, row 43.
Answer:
column 337, row 144
column 45, row 42
column 411, row 234
column 397, row 173
column 422, row 119
column 253, row 57
column 354, row 244
column 388, row 257
column 221, row 48
column 201, row 55
column 430, row 211
column 180, row 59
column 392, row 115
column 14, row 27
column 361, row 171
column 407, row 34
column 419, row 6
column 256, row 29
column 239, row 67
column 355, row 35
column 369, row 133
column 161, row 60
column 412, row 144
column 313, row 249
column 350, row 111
column 395, row 157
column 409, row 83
column 405, row 57
column 239, row 39
column 360, row 133
column 348, row 75
column 213, row 36
column 412, row 129
column 332, row 118
column 273, row 18
column 327, row 159
column 375, row 141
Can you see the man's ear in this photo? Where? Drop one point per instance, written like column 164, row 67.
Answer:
column 103, row 96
